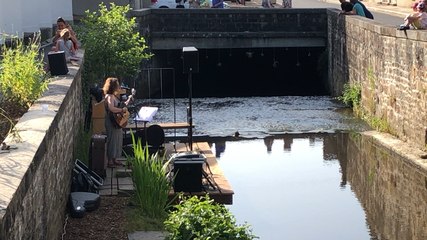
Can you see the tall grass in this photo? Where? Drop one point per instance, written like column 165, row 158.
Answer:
column 22, row 77
column 149, row 180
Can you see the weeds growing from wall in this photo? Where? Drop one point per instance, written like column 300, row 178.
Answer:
column 351, row 96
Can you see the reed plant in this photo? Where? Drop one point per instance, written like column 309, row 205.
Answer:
column 149, row 179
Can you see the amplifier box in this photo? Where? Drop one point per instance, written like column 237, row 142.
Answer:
column 188, row 172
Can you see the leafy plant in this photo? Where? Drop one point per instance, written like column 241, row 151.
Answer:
column 351, row 95
column 22, row 77
column 113, row 46
column 6, row 120
column 83, row 144
column 200, row 219
column 149, row 179
column 378, row 124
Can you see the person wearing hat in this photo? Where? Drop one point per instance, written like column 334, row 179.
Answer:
column 65, row 44
column 61, row 24
column 417, row 20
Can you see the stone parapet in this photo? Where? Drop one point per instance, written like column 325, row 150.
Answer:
column 35, row 178
column 166, row 29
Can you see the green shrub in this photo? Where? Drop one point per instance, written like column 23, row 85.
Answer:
column 9, row 126
column 150, row 182
column 22, row 77
column 351, row 95
column 201, row 219
column 113, row 46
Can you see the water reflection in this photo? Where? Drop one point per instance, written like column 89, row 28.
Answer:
column 268, row 141
column 325, row 186
column 314, row 186
column 392, row 190
column 293, row 191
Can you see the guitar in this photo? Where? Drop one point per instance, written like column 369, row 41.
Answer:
column 122, row 118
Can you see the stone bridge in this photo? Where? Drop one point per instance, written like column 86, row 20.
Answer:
column 167, row 29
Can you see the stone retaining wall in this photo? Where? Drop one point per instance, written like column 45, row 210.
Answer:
column 391, row 67
column 389, row 179
column 35, row 178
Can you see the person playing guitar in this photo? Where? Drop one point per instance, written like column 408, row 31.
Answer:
column 112, row 102
column 123, row 117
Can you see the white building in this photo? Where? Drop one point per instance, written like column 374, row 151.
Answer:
column 28, row 16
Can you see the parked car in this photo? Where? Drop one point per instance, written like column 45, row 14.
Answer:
column 170, row 4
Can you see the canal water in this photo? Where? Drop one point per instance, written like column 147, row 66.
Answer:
column 301, row 171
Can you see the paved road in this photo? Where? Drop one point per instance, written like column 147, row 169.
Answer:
column 391, row 18
column 388, row 15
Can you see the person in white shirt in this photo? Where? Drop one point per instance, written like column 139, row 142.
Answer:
column 417, row 20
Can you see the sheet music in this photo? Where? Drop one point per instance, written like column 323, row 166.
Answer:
column 146, row 114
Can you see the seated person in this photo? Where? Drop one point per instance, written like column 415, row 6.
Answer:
column 267, row 4
column 346, row 6
column 62, row 24
column 65, row 44
column 357, row 9
column 217, row 4
column 417, row 20
column 415, row 4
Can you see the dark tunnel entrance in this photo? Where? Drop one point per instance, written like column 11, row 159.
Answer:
column 242, row 73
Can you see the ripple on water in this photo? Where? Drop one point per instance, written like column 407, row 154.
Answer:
column 257, row 116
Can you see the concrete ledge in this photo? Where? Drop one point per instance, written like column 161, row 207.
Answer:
column 35, row 178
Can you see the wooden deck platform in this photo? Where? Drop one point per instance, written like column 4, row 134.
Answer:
column 118, row 180
column 222, row 191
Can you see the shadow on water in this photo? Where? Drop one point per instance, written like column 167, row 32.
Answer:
column 324, row 186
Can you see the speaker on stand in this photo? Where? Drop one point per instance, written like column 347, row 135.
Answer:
column 190, row 65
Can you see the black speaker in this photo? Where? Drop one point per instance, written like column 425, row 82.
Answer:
column 57, row 63
column 190, row 56
column 188, row 170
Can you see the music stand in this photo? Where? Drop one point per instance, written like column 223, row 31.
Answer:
column 145, row 115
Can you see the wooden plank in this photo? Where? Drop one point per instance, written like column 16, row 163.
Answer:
column 224, row 193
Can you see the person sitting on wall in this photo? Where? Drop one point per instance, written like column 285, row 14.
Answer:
column 62, row 24
column 346, row 6
column 415, row 5
column 65, row 44
column 287, row 4
column 417, row 20
column 217, row 4
column 357, row 9
column 267, row 4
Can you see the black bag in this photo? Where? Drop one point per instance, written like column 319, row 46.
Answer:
column 82, row 182
column 368, row 14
